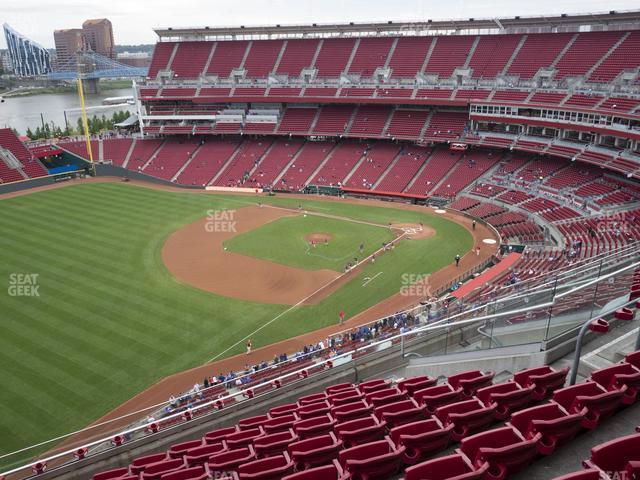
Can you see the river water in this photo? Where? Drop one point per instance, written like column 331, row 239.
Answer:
column 24, row 112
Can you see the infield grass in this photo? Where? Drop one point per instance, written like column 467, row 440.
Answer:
column 109, row 320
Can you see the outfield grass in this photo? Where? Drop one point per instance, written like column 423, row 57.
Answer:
column 283, row 241
column 110, row 320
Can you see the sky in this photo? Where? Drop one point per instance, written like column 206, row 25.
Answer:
column 134, row 20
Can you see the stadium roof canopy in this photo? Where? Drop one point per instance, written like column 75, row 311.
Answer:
column 557, row 23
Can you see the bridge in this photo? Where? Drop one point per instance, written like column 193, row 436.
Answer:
column 93, row 66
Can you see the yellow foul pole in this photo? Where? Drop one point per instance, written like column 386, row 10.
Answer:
column 85, row 122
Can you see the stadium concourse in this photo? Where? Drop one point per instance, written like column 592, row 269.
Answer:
column 527, row 127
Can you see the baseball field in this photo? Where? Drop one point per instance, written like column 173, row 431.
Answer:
column 93, row 312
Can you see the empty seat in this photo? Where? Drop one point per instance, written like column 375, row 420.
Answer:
column 217, row 436
column 347, row 395
column 506, row 397
column 252, row 422
column 139, row 464
column 399, row 413
column 433, row 397
column 373, row 460
column 384, row 396
column 337, row 387
column 192, row 473
column 421, row 439
column 200, row 455
column 633, row 358
column 619, row 455
column 555, row 425
column 178, row 450
column 313, row 398
column 314, row 409
column 314, row 426
column 282, row 410
column 544, row 380
column 600, row 403
column 471, row 381
column 351, row 411
column 271, row 468
column 506, row 450
column 452, row 467
column 274, row 443
column 314, row 451
column 467, row 417
column 360, row 430
column 230, row 460
column 616, row 376
column 242, row 438
column 373, row 385
column 280, row 423
column 156, row 470
column 411, row 385
column 333, row 471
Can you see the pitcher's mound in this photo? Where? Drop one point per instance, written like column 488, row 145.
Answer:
column 318, row 238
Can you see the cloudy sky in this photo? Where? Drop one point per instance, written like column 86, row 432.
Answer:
column 133, row 20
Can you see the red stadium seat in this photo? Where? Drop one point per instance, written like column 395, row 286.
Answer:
column 421, row 439
column 271, row 468
column 351, row 411
column 360, row 430
column 314, row 398
column 242, row 438
column 452, row 467
column 373, row 460
column 348, row 395
column 314, row 409
column 467, row 417
column 613, row 378
column 337, row 387
column 154, row 471
column 280, row 423
column 139, row 464
column 471, row 381
column 273, row 444
column 314, row 451
column 384, row 395
column 399, row 413
column 200, row 455
column 216, row 436
column 633, row 358
column 282, row 410
column 434, row 397
column 179, row 449
column 333, row 471
column 600, row 403
column 314, row 426
column 373, row 385
column 252, row 422
column 552, row 421
column 621, row 455
column 506, row 450
column 506, row 398
column 230, row 460
column 193, row 473
column 411, row 385
column 545, row 380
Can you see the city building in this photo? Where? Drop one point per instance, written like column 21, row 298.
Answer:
column 68, row 42
column 26, row 57
column 135, row 59
column 98, row 34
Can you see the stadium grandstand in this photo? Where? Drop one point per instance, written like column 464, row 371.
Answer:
column 528, row 126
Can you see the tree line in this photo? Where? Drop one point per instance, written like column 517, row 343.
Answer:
column 97, row 125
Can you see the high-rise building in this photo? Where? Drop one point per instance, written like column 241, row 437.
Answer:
column 68, row 42
column 27, row 57
column 98, row 34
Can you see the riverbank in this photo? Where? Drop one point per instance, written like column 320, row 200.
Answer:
column 30, row 91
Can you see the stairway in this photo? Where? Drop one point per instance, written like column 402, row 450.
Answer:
column 127, row 157
column 514, row 55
